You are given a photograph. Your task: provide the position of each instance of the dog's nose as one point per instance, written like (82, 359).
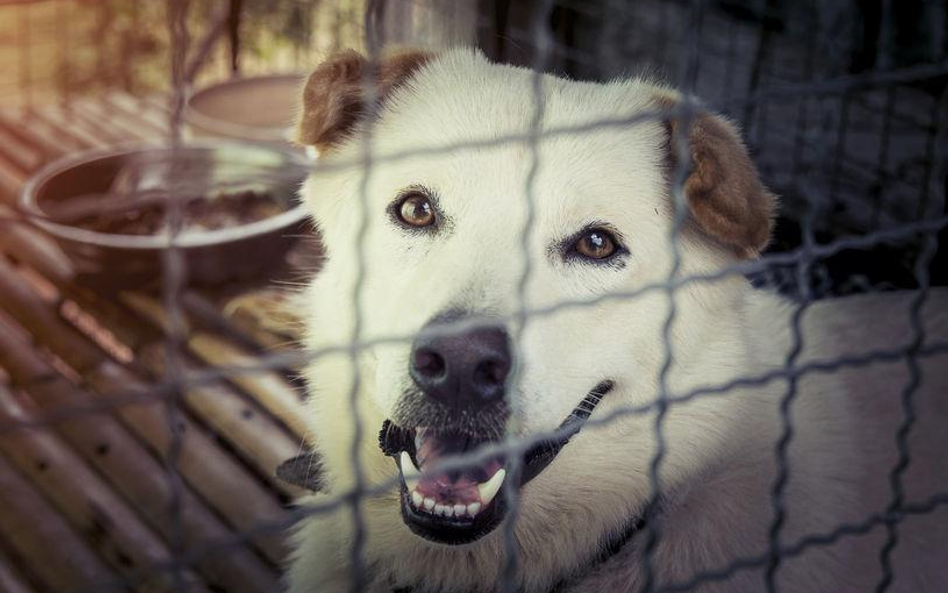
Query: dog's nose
(467, 367)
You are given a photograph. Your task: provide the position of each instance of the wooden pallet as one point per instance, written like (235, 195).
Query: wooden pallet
(97, 491)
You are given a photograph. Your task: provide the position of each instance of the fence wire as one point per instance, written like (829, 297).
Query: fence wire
(803, 262)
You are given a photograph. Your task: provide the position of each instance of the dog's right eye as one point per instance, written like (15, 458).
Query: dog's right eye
(595, 244)
(415, 209)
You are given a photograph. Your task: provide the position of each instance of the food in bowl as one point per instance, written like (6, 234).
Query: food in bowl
(197, 213)
(237, 212)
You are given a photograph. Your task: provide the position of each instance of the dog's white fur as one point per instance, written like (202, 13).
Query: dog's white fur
(719, 465)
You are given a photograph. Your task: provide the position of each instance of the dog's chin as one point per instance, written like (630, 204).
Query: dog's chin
(463, 504)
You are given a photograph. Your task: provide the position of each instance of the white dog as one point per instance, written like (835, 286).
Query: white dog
(433, 253)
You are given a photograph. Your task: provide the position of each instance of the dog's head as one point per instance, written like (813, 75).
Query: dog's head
(501, 264)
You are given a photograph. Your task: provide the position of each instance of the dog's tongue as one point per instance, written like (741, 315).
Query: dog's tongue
(461, 485)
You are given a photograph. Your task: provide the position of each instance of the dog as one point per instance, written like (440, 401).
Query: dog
(574, 299)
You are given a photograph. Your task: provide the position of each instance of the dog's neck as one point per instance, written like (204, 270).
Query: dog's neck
(615, 546)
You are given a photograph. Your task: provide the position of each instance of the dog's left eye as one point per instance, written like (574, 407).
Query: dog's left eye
(597, 244)
(415, 209)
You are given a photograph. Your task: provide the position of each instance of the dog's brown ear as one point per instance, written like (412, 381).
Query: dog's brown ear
(726, 198)
(333, 99)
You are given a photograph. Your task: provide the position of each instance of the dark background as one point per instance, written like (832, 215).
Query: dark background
(850, 117)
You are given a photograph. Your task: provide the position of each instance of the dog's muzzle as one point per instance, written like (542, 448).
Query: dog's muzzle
(462, 505)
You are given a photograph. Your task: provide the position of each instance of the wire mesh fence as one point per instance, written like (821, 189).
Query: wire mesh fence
(843, 108)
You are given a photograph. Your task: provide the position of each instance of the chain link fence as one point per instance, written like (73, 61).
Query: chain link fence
(843, 108)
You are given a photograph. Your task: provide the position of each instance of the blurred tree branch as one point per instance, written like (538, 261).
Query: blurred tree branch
(218, 26)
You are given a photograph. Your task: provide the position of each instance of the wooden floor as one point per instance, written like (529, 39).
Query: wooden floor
(94, 493)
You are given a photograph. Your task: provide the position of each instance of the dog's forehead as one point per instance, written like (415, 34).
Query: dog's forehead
(460, 98)
(473, 121)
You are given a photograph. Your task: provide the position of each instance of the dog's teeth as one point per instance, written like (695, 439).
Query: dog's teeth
(489, 489)
(417, 499)
(429, 504)
(459, 510)
(440, 509)
(409, 471)
(473, 509)
(408, 466)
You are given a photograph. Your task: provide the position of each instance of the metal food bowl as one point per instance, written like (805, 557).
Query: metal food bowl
(257, 109)
(112, 181)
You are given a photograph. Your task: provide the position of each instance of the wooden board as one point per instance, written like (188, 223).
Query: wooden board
(121, 471)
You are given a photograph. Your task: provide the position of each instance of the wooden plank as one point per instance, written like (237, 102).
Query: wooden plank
(268, 388)
(18, 153)
(134, 113)
(206, 311)
(76, 126)
(209, 469)
(199, 462)
(24, 243)
(11, 182)
(90, 313)
(51, 133)
(26, 305)
(42, 540)
(267, 316)
(159, 103)
(109, 447)
(102, 126)
(55, 126)
(114, 123)
(32, 131)
(154, 117)
(109, 525)
(10, 579)
(204, 464)
(261, 441)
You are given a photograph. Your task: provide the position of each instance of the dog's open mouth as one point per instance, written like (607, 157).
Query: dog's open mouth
(464, 504)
